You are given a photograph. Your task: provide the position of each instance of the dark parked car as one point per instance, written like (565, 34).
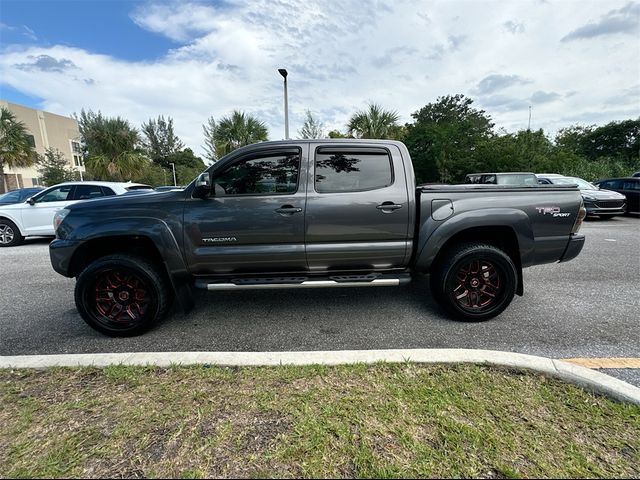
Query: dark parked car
(19, 195)
(629, 187)
(604, 203)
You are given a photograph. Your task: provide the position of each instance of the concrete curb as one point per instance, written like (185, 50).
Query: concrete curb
(586, 378)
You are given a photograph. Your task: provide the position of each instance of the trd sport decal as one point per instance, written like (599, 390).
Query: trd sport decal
(553, 211)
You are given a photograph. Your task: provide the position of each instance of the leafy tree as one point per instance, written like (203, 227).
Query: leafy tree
(113, 147)
(188, 165)
(154, 175)
(521, 151)
(16, 147)
(615, 140)
(338, 134)
(444, 138)
(54, 168)
(232, 132)
(312, 128)
(160, 141)
(374, 122)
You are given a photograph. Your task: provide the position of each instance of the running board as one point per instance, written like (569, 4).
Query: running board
(303, 282)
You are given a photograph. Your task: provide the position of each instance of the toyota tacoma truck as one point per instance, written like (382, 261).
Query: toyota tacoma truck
(310, 214)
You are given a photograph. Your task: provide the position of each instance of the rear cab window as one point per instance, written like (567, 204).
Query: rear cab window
(352, 170)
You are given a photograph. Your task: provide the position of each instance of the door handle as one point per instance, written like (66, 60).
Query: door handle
(388, 207)
(288, 210)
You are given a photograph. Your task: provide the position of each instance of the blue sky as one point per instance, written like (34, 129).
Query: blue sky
(572, 61)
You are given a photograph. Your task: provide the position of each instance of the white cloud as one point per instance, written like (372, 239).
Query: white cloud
(340, 55)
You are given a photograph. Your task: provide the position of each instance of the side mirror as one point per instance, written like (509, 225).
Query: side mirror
(31, 201)
(203, 186)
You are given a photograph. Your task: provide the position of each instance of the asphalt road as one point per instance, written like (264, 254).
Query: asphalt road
(584, 308)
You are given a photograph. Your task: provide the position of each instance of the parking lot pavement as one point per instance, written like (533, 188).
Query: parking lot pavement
(587, 307)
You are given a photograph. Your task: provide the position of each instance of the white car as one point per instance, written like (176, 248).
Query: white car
(34, 217)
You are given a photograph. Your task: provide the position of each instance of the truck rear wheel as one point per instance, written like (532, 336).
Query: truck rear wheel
(475, 282)
(122, 295)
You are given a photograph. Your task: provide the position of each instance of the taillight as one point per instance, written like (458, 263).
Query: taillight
(581, 214)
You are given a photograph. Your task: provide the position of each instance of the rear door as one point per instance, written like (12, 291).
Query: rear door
(253, 222)
(357, 214)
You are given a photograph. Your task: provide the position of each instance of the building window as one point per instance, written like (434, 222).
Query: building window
(76, 149)
(31, 141)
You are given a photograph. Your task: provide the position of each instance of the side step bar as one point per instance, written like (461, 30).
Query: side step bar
(262, 284)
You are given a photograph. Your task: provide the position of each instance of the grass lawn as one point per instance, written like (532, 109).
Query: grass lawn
(383, 420)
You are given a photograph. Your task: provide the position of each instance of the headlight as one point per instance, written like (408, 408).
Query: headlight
(588, 198)
(59, 217)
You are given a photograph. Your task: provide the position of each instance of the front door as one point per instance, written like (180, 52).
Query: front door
(253, 221)
(37, 219)
(358, 212)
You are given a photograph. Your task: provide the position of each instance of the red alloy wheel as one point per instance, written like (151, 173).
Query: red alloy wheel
(477, 286)
(121, 296)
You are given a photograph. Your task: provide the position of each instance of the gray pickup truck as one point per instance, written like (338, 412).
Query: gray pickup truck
(310, 213)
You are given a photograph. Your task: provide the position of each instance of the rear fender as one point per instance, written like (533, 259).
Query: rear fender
(434, 235)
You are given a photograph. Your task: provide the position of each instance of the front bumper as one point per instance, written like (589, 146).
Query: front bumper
(61, 252)
(593, 208)
(574, 247)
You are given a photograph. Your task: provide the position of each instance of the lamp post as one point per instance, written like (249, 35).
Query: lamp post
(173, 167)
(283, 72)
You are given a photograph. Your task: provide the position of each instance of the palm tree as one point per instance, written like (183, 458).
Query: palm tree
(16, 149)
(235, 131)
(113, 147)
(375, 122)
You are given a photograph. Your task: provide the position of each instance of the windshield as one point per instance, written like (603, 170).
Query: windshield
(582, 184)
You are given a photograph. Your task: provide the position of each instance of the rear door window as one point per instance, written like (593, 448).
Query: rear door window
(348, 170)
(87, 192)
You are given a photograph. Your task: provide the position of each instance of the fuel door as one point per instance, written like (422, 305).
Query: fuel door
(441, 208)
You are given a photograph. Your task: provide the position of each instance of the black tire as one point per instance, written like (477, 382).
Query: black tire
(9, 234)
(474, 282)
(122, 295)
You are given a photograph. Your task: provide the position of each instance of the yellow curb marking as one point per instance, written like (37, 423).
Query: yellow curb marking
(605, 362)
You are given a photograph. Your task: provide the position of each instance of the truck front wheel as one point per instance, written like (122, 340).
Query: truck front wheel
(474, 282)
(122, 295)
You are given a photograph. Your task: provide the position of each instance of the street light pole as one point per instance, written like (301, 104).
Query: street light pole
(173, 167)
(283, 72)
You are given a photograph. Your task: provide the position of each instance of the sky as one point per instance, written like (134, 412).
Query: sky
(573, 62)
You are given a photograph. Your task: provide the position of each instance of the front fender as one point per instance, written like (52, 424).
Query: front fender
(156, 230)
(434, 234)
(12, 216)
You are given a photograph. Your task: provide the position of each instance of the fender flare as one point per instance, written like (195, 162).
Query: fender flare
(160, 234)
(434, 235)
